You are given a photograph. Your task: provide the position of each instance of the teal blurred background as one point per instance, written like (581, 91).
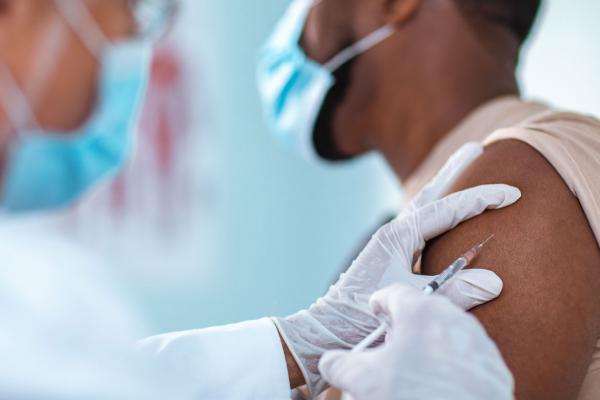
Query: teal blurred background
(265, 232)
(286, 227)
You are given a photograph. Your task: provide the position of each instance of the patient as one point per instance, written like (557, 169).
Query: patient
(447, 76)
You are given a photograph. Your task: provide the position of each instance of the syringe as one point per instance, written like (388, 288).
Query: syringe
(458, 265)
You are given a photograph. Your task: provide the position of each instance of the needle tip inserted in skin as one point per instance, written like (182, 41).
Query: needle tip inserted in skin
(487, 240)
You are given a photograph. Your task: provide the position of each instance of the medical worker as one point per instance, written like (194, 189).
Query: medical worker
(72, 73)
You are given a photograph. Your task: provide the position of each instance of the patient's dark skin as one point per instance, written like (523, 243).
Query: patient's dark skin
(546, 322)
(400, 98)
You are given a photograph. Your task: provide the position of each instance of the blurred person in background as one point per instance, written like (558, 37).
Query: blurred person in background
(72, 73)
(414, 80)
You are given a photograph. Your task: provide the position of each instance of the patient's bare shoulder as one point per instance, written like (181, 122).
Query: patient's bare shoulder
(548, 318)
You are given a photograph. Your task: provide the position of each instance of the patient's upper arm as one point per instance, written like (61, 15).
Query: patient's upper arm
(547, 319)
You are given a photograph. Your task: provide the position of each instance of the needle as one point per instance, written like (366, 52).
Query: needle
(458, 265)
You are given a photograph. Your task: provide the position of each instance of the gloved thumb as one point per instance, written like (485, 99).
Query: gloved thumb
(343, 369)
(472, 287)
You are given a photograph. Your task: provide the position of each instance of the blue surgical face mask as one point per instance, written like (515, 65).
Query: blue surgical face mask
(48, 170)
(292, 87)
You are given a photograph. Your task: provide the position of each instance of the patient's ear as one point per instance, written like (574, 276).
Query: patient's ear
(399, 12)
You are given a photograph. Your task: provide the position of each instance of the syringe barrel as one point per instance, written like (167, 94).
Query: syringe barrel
(449, 272)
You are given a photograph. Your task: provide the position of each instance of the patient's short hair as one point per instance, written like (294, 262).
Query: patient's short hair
(516, 15)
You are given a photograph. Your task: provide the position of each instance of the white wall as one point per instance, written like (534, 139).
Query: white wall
(561, 63)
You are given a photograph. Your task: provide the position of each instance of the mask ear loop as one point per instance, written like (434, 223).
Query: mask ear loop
(81, 20)
(16, 105)
(359, 47)
(47, 52)
(20, 108)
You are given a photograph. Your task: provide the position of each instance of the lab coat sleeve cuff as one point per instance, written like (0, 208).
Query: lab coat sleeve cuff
(240, 361)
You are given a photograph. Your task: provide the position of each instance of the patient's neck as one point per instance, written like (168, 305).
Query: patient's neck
(426, 104)
(408, 143)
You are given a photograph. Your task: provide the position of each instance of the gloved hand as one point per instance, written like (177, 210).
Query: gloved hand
(342, 318)
(434, 350)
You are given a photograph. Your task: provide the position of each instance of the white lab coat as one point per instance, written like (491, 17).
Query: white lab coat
(242, 361)
(67, 333)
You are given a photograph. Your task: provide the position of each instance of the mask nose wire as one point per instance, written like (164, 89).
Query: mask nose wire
(80, 19)
(359, 47)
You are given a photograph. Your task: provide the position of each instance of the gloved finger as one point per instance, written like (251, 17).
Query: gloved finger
(344, 370)
(442, 215)
(387, 301)
(467, 289)
(472, 287)
(449, 173)
(418, 281)
(407, 234)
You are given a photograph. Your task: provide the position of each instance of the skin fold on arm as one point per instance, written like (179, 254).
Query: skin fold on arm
(547, 320)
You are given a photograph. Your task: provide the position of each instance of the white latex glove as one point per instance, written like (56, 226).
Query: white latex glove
(342, 318)
(434, 350)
